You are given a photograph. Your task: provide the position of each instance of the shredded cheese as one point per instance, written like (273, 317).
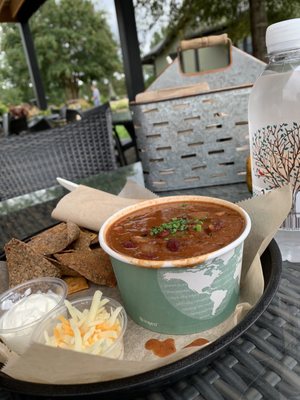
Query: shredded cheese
(89, 331)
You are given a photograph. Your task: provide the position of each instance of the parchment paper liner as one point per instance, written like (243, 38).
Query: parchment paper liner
(43, 364)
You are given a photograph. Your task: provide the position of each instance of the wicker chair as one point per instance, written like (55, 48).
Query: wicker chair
(76, 150)
(119, 147)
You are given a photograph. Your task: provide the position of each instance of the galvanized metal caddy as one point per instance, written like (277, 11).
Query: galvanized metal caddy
(197, 140)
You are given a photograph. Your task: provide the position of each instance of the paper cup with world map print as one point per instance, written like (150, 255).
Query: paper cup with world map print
(183, 296)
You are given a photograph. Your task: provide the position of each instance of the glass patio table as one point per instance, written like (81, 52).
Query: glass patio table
(262, 362)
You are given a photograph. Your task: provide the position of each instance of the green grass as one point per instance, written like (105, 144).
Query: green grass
(118, 105)
(122, 132)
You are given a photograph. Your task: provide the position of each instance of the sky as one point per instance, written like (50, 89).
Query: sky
(109, 7)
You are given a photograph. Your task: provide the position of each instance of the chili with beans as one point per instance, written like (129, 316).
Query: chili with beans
(175, 230)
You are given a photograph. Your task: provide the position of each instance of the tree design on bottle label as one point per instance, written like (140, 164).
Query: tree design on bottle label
(276, 162)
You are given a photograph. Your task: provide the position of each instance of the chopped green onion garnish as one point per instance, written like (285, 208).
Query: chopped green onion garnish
(198, 227)
(176, 224)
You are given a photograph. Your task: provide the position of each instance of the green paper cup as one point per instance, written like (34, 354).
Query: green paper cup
(179, 296)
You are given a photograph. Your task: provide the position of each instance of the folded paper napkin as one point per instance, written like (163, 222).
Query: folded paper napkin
(89, 208)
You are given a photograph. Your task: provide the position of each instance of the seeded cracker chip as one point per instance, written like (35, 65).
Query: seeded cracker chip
(23, 263)
(94, 265)
(85, 239)
(55, 239)
(76, 284)
(64, 269)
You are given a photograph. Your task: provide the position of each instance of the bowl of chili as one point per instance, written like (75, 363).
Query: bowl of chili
(177, 261)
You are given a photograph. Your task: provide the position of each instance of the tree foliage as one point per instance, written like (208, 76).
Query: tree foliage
(240, 17)
(74, 45)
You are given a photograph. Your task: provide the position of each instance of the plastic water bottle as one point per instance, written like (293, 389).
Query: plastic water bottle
(274, 127)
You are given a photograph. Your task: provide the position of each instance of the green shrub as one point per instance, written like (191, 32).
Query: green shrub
(3, 108)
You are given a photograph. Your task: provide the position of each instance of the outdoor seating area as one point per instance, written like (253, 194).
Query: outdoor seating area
(73, 151)
(149, 205)
(88, 137)
(18, 122)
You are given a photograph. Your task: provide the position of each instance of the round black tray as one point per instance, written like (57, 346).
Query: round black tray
(157, 379)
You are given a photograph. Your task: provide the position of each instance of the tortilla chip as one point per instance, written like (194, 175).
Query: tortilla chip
(94, 265)
(23, 263)
(55, 239)
(76, 284)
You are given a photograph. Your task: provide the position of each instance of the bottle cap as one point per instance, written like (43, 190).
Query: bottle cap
(283, 36)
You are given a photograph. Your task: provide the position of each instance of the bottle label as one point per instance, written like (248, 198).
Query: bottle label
(276, 162)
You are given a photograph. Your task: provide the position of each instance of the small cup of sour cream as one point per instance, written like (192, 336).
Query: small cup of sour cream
(24, 306)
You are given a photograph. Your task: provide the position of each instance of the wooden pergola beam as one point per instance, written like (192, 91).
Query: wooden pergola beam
(18, 10)
(2, 3)
(9, 10)
(5, 13)
(15, 6)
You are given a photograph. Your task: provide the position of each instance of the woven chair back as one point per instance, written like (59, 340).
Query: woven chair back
(76, 150)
